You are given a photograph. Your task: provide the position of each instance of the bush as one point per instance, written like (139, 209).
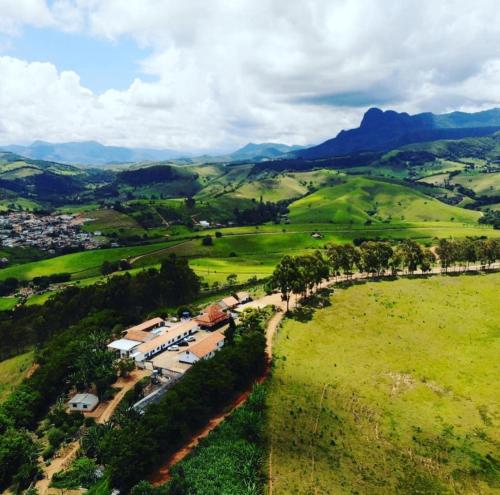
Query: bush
(55, 436)
(82, 473)
(207, 241)
(48, 452)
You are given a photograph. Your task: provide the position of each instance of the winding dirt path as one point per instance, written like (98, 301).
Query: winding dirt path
(102, 414)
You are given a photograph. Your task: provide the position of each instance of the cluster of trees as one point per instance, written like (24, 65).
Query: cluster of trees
(464, 252)
(109, 267)
(61, 329)
(491, 217)
(240, 439)
(11, 284)
(299, 274)
(260, 213)
(145, 441)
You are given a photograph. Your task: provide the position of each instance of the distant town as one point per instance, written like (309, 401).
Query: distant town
(47, 232)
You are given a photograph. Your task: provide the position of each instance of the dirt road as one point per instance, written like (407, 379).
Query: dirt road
(102, 414)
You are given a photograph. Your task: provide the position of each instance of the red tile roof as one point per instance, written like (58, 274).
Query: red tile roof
(212, 316)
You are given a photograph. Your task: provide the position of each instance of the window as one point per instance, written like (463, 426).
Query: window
(84, 406)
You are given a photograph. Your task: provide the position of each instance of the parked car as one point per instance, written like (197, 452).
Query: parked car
(183, 343)
(190, 339)
(173, 348)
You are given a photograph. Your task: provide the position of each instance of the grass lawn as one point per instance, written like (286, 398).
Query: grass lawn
(12, 372)
(390, 390)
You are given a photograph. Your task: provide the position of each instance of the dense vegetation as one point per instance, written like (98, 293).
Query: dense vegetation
(144, 442)
(62, 328)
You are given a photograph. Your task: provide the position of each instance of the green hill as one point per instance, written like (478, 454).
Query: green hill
(360, 200)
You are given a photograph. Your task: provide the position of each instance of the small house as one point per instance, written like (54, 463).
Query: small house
(212, 318)
(203, 349)
(83, 402)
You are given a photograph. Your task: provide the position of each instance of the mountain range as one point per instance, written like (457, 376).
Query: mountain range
(385, 130)
(94, 153)
(379, 131)
(90, 153)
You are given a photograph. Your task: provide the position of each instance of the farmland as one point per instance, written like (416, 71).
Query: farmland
(389, 390)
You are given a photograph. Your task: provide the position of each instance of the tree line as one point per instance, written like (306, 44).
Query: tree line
(300, 274)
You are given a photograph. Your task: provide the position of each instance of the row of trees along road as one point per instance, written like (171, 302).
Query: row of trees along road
(301, 274)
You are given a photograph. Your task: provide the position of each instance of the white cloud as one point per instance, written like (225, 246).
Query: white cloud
(230, 71)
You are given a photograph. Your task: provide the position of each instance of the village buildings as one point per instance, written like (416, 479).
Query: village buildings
(46, 232)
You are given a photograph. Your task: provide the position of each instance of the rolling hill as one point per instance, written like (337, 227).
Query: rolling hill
(361, 200)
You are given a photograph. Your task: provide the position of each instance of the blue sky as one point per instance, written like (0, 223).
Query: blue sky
(199, 76)
(101, 63)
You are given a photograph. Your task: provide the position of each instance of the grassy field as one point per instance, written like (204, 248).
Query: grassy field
(481, 184)
(360, 199)
(12, 372)
(390, 390)
(80, 265)
(109, 220)
(245, 250)
(285, 186)
(7, 303)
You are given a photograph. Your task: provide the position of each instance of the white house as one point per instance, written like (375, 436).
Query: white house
(124, 346)
(147, 350)
(83, 402)
(203, 349)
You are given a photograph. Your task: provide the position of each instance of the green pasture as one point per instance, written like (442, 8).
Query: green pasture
(483, 184)
(13, 371)
(391, 389)
(81, 265)
(360, 200)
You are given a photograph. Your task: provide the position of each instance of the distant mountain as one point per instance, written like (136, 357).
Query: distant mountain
(253, 151)
(381, 131)
(90, 153)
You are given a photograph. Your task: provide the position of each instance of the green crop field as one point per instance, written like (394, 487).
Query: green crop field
(390, 390)
(12, 372)
(360, 199)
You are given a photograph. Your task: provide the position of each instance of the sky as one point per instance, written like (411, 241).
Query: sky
(212, 75)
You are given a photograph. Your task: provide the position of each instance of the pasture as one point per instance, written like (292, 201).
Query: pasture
(13, 371)
(392, 389)
(362, 200)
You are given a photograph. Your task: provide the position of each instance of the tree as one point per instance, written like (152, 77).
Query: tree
(411, 255)
(375, 256)
(207, 241)
(232, 279)
(142, 488)
(125, 366)
(283, 277)
(445, 251)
